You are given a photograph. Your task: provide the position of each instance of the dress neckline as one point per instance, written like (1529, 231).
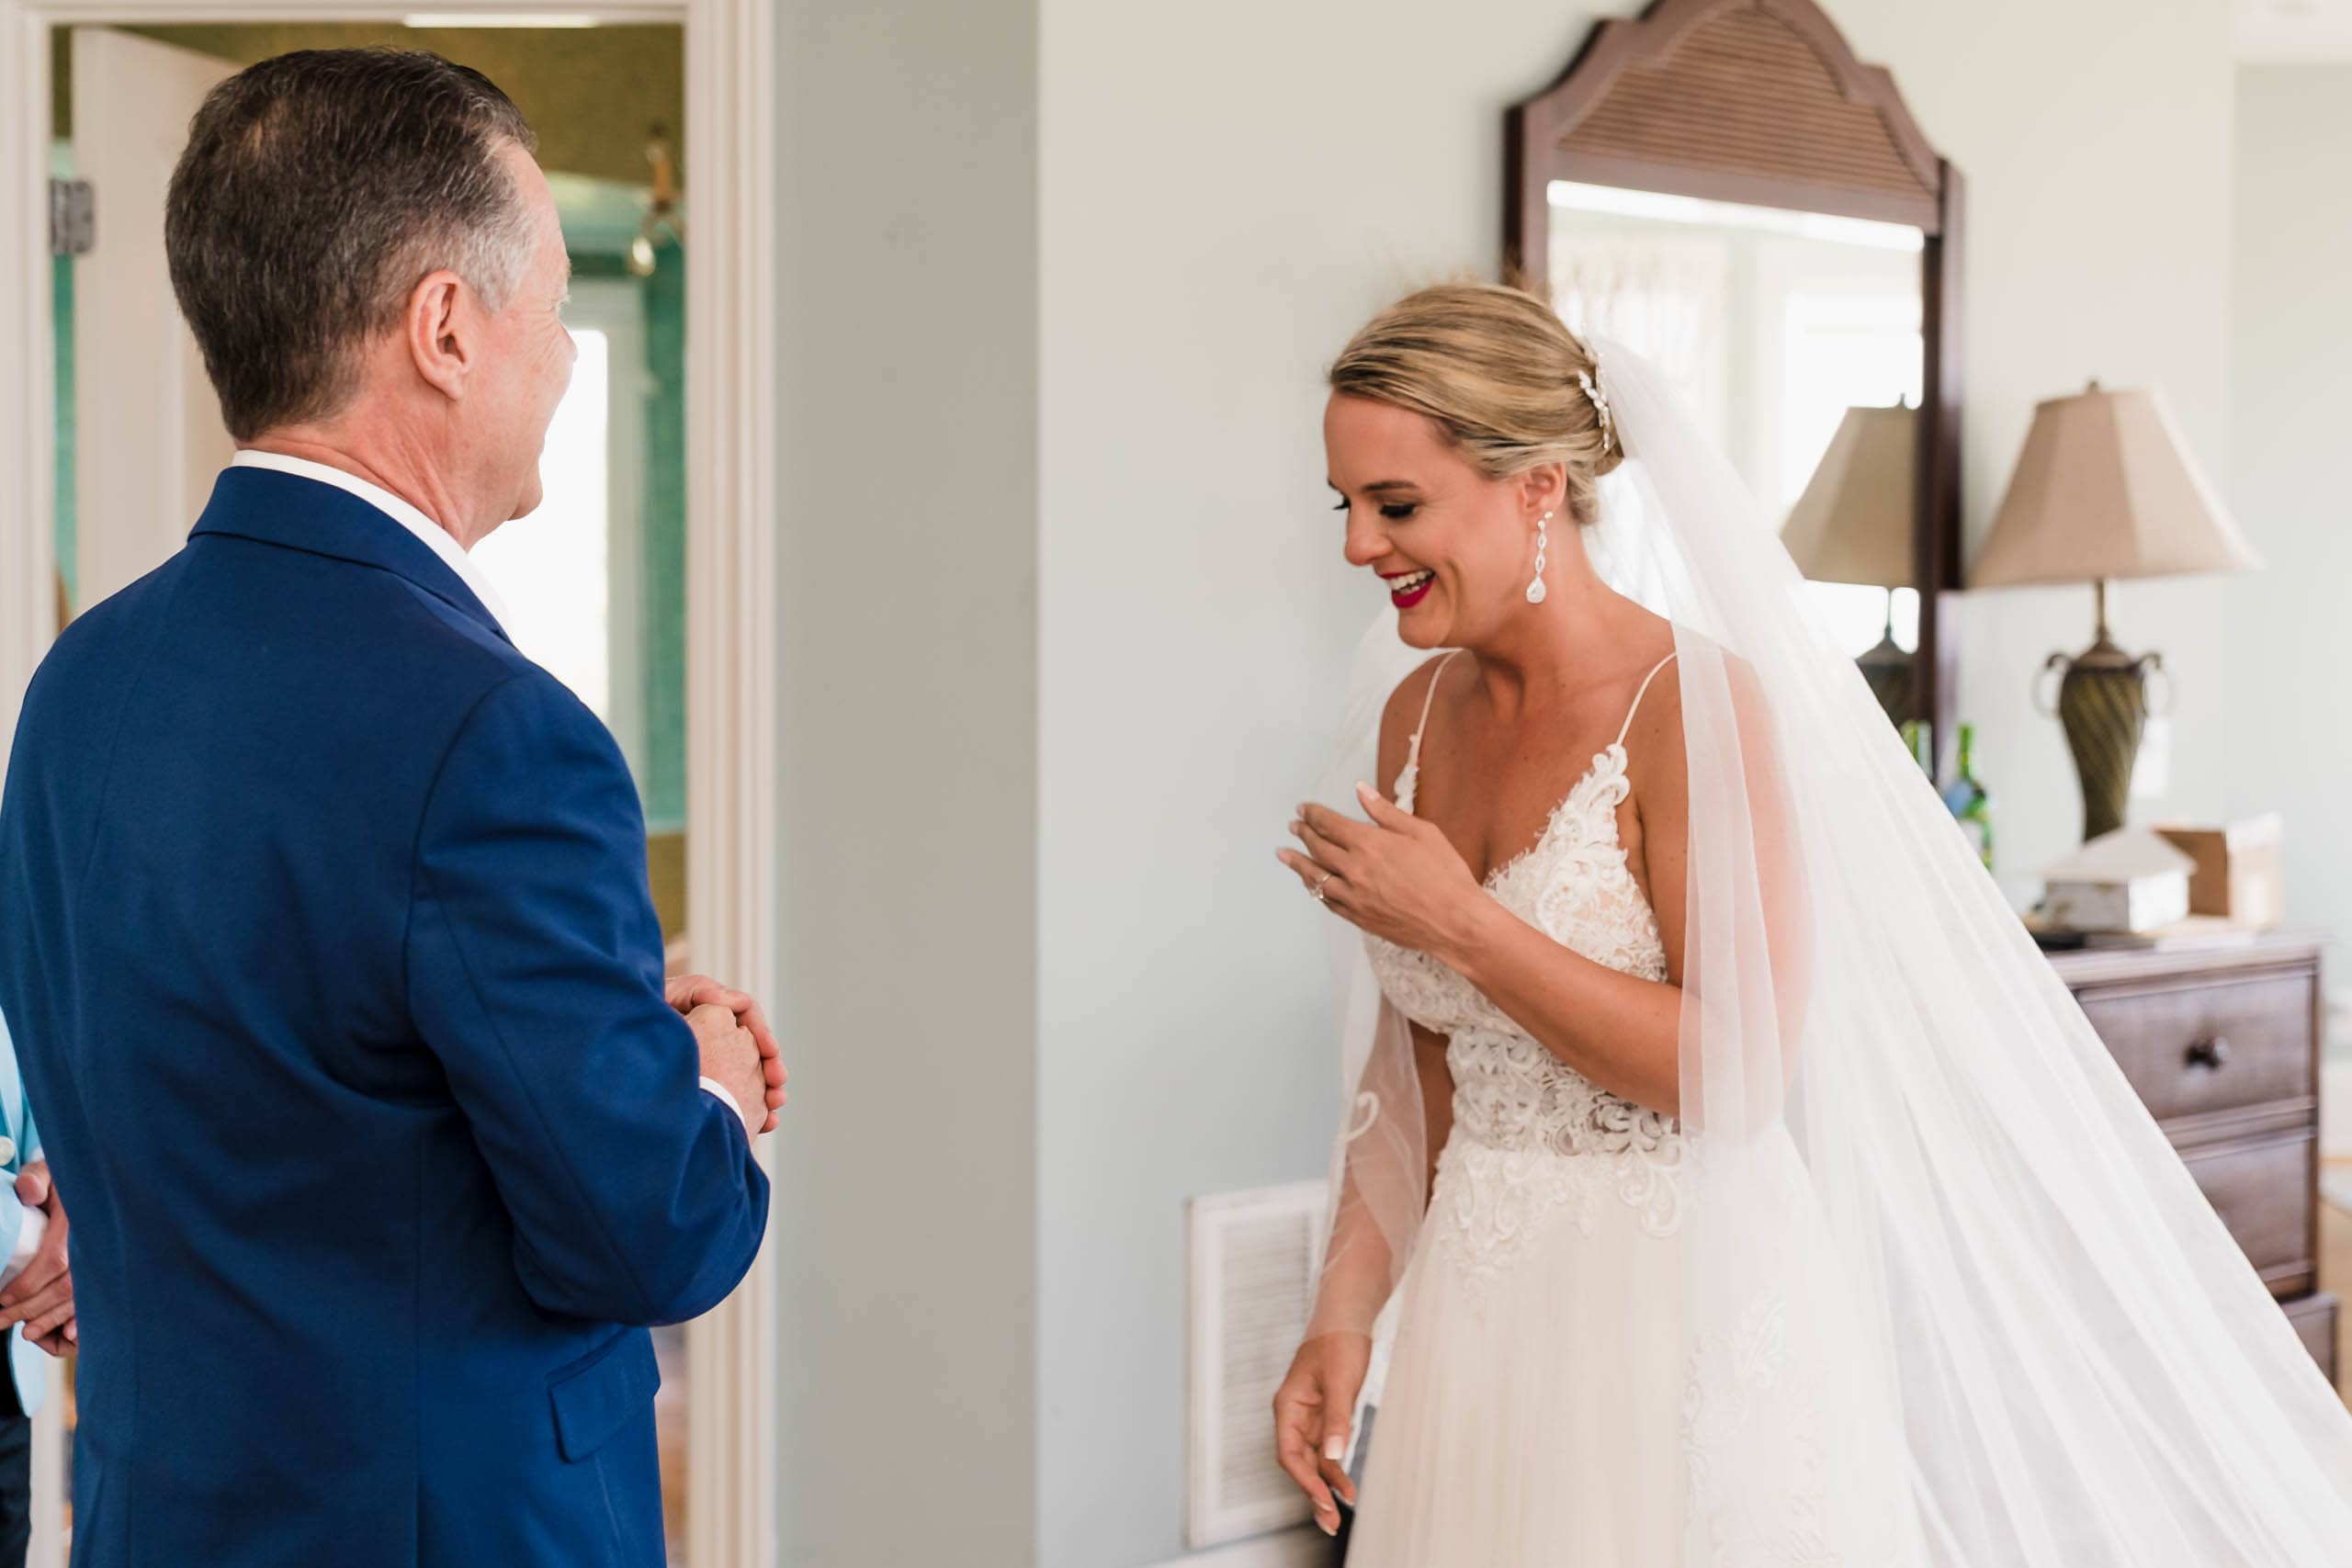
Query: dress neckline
(1407, 786)
(1610, 755)
(1406, 791)
(1409, 780)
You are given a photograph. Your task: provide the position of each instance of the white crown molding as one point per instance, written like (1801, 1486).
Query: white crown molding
(731, 674)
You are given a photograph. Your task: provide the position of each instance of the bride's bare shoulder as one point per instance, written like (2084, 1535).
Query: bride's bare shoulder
(1653, 729)
(1403, 711)
(1405, 702)
(1731, 691)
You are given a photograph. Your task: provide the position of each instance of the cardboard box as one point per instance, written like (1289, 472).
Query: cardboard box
(2238, 876)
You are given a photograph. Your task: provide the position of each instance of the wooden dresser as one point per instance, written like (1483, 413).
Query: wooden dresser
(2223, 1044)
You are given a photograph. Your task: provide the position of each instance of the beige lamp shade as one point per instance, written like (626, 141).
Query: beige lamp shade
(2105, 488)
(1853, 521)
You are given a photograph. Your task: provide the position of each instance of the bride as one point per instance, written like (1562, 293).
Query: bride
(1784, 1209)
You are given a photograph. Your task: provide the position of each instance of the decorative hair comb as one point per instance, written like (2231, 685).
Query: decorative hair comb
(1599, 403)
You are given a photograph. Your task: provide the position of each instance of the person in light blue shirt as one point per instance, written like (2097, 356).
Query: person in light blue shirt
(36, 1297)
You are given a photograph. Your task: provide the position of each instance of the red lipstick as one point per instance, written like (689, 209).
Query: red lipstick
(1408, 589)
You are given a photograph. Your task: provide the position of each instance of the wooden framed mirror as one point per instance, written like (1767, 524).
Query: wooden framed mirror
(1721, 186)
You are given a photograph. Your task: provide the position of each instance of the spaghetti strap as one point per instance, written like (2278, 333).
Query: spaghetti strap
(1413, 749)
(1642, 690)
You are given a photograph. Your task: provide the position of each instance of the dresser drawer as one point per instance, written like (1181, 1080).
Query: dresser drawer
(2217, 1044)
(2262, 1189)
(2314, 1319)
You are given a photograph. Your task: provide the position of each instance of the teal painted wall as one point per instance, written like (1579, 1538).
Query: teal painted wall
(661, 567)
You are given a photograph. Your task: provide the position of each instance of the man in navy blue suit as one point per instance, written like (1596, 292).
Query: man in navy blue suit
(324, 928)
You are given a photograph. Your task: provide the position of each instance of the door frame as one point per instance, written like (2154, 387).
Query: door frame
(732, 675)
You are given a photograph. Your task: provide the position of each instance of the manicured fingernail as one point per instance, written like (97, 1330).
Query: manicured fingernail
(1329, 1526)
(1364, 788)
(1335, 1449)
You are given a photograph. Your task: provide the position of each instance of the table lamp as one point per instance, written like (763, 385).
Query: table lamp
(1853, 525)
(2106, 488)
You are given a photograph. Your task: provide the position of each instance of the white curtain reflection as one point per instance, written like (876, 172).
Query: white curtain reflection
(1774, 322)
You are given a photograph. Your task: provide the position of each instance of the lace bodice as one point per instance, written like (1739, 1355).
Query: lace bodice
(1510, 1094)
(1572, 884)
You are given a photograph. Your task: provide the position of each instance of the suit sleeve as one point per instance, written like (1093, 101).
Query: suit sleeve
(535, 976)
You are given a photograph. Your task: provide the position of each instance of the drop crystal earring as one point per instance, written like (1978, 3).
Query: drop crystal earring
(1543, 543)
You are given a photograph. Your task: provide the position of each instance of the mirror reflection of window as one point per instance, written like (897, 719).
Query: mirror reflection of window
(1663, 293)
(1840, 349)
(1776, 323)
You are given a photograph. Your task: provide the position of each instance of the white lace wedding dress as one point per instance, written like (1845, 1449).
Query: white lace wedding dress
(1543, 1408)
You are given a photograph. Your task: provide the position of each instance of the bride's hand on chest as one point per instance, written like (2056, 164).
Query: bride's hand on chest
(1396, 876)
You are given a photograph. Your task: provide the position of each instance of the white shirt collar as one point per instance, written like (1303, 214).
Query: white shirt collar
(436, 537)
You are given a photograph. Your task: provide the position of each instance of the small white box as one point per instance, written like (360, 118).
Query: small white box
(2130, 880)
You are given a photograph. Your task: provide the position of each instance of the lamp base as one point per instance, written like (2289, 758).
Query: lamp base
(1888, 669)
(2103, 706)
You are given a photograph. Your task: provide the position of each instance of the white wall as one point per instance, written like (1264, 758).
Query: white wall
(2290, 437)
(907, 1194)
(1227, 189)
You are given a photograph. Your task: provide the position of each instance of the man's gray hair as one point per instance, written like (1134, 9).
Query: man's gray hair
(317, 190)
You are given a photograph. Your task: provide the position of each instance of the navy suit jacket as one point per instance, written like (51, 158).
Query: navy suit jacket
(325, 936)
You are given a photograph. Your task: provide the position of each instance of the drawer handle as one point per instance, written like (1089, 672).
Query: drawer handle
(2210, 1053)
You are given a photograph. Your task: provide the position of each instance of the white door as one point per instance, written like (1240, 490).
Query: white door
(149, 441)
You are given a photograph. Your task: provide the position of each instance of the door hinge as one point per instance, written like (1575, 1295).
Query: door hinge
(73, 218)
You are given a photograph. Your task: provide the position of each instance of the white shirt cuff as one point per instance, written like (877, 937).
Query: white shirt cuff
(710, 1087)
(28, 1237)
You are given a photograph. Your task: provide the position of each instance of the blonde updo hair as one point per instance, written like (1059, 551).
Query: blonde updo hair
(1496, 369)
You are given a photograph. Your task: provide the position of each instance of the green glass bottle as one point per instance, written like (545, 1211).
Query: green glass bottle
(1969, 800)
(1914, 740)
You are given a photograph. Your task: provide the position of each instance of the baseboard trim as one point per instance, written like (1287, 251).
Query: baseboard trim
(1301, 1548)
(2336, 1110)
